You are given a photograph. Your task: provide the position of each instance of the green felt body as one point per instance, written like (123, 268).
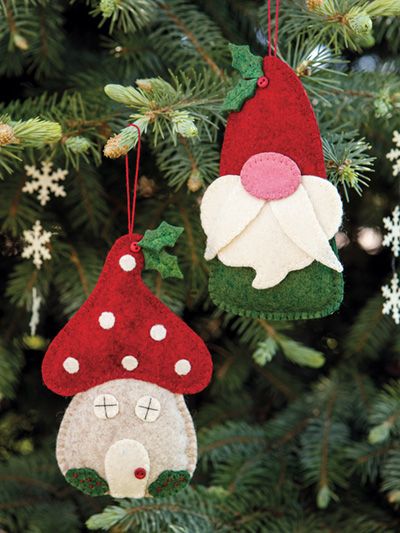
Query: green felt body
(313, 292)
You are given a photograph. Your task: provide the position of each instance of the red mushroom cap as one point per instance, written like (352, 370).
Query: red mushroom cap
(124, 331)
(279, 118)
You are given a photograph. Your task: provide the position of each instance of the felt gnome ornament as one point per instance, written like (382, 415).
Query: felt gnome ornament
(127, 360)
(271, 216)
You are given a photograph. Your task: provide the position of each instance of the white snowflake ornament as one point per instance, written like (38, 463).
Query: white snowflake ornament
(36, 240)
(35, 317)
(394, 154)
(392, 238)
(391, 294)
(45, 181)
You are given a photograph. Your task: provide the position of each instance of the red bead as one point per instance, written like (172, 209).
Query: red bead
(135, 247)
(140, 473)
(262, 82)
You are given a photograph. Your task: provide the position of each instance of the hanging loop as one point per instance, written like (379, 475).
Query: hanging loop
(275, 47)
(131, 204)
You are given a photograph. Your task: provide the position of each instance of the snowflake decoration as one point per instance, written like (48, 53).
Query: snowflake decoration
(36, 240)
(392, 238)
(45, 181)
(394, 154)
(391, 293)
(35, 317)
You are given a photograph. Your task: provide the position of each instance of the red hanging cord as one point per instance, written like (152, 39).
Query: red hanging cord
(269, 28)
(131, 206)
(276, 28)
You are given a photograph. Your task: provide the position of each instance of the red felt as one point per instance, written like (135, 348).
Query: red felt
(279, 118)
(136, 310)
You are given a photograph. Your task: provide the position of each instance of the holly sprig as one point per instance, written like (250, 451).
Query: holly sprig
(155, 257)
(250, 68)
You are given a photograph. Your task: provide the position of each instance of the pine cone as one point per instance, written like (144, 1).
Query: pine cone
(194, 182)
(7, 135)
(147, 187)
(313, 5)
(112, 148)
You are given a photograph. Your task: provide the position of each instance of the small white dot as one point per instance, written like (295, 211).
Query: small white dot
(107, 320)
(71, 365)
(127, 263)
(129, 362)
(158, 332)
(183, 367)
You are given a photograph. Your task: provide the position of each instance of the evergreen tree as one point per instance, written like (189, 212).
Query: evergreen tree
(299, 430)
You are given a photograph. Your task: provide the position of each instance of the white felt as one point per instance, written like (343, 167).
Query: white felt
(265, 247)
(148, 408)
(122, 458)
(127, 262)
(297, 218)
(158, 332)
(71, 365)
(84, 439)
(284, 236)
(222, 221)
(129, 362)
(183, 367)
(329, 211)
(105, 406)
(107, 320)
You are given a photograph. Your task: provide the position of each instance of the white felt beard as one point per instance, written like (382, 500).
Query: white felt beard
(273, 237)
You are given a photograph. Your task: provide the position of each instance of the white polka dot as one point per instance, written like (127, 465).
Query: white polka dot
(71, 365)
(107, 320)
(158, 332)
(129, 362)
(127, 263)
(183, 367)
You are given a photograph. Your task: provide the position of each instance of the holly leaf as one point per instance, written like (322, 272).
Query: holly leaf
(169, 482)
(87, 480)
(249, 65)
(236, 97)
(159, 238)
(155, 257)
(165, 263)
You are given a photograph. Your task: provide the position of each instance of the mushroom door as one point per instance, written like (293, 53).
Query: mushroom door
(127, 467)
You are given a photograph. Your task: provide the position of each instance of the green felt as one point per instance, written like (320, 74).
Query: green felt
(155, 257)
(235, 98)
(250, 68)
(249, 65)
(169, 482)
(87, 480)
(314, 292)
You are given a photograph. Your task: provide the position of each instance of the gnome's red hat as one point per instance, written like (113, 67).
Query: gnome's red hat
(124, 331)
(278, 119)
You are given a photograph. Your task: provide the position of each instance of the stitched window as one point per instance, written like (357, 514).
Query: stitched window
(105, 406)
(148, 408)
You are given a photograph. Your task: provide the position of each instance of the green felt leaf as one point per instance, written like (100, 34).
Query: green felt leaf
(249, 65)
(87, 480)
(155, 257)
(164, 235)
(169, 482)
(235, 98)
(165, 263)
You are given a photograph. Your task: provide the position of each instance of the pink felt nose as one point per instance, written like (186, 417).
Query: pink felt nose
(270, 176)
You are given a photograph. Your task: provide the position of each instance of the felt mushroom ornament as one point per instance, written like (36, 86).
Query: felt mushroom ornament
(271, 216)
(127, 360)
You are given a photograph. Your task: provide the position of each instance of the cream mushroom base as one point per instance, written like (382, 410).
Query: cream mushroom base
(272, 236)
(128, 433)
